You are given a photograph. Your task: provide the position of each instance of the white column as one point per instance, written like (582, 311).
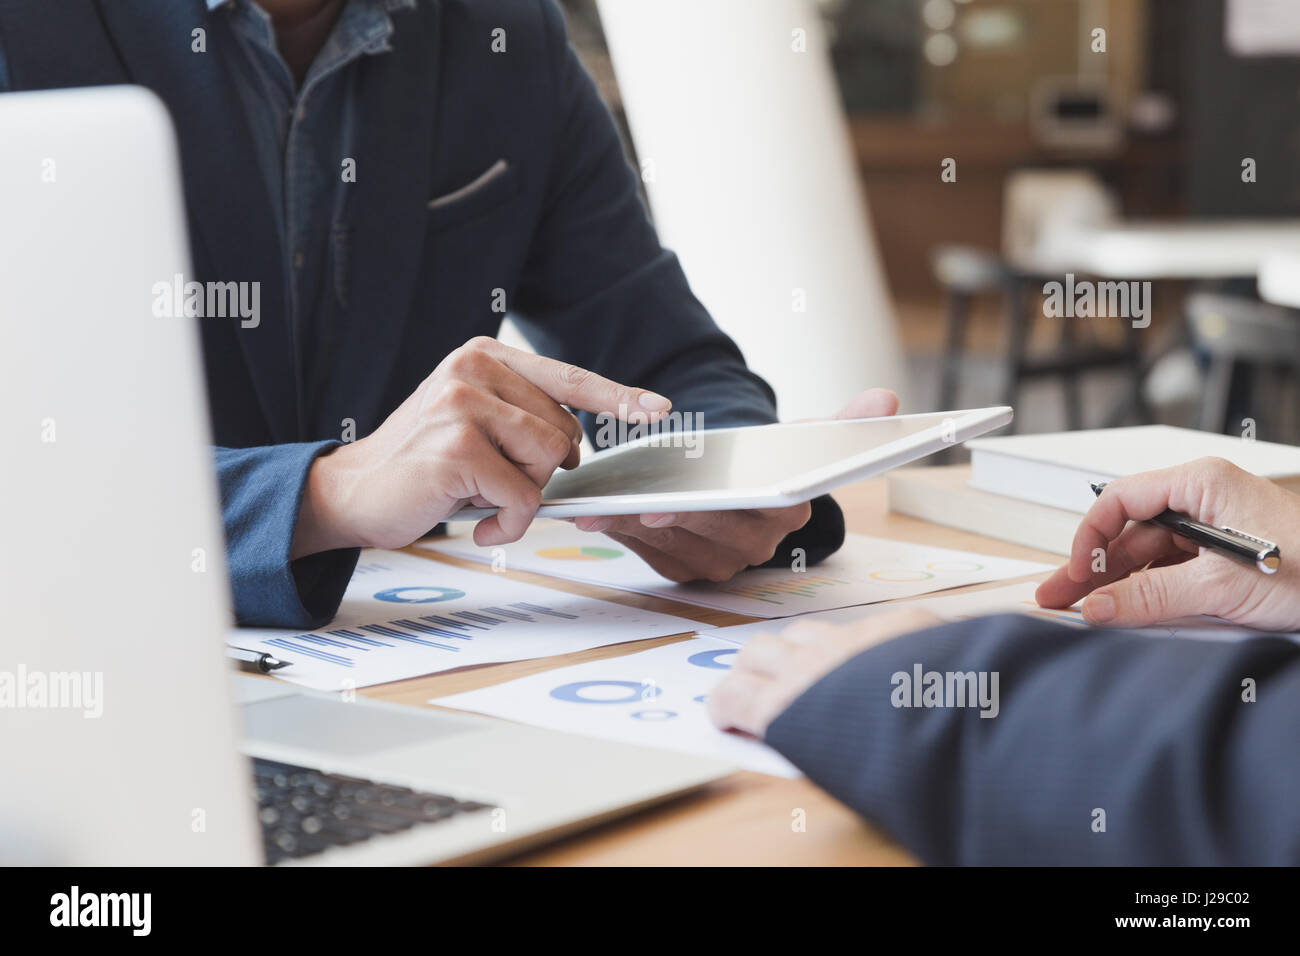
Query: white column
(751, 176)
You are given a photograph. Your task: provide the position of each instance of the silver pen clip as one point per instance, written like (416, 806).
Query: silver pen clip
(1268, 557)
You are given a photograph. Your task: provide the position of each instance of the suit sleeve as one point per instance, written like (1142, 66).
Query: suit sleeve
(261, 491)
(1107, 748)
(599, 290)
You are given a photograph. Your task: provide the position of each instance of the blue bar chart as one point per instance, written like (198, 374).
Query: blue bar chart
(448, 617)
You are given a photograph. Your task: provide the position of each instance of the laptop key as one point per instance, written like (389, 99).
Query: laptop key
(305, 811)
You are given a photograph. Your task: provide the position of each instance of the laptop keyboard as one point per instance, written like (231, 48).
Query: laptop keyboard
(304, 811)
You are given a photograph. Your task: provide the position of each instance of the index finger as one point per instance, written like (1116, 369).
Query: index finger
(1135, 498)
(1133, 549)
(582, 388)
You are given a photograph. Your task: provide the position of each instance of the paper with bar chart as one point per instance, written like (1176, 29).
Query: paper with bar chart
(655, 698)
(403, 616)
(864, 571)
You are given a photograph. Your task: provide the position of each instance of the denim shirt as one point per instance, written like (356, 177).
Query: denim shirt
(303, 136)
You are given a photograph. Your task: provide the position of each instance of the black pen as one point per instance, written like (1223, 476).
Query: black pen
(1226, 541)
(256, 660)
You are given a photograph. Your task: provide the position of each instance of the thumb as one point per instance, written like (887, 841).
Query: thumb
(1146, 597)
(873, 403)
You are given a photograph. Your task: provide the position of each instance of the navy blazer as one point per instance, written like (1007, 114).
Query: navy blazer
(1107, 747)
(563, 233)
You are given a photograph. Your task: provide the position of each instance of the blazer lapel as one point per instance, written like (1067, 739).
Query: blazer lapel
(230, 212)
(397, 93)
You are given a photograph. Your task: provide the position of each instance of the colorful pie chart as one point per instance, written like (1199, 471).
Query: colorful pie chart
(583, 553)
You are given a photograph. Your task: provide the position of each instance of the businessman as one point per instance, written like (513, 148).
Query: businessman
(1103, 747)
(394, 175)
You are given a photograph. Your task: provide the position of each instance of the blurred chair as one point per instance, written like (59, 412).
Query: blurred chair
(964, 273)
(1039, 207)
(1042, 209)
(1259, 344)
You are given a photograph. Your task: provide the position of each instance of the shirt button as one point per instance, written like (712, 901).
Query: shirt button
(297, 260)
(302, 112)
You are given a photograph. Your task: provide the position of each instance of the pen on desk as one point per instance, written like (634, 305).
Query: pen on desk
(1229, 542)
(256, 660)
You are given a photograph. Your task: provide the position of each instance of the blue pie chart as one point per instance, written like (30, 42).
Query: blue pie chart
(654, 715)
(605, 692)
(712, 658)
(418, 595)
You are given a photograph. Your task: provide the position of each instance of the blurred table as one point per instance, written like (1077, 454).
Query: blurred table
(1279, 279)
(1165, 249)
(746, 818)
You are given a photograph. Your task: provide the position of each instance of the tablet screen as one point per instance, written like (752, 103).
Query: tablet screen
(740, 458)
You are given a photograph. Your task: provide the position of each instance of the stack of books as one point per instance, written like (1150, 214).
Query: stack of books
(1031, 489)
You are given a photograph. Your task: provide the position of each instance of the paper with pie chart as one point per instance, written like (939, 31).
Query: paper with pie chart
(404, 616)
(655, 698)
(864, 571)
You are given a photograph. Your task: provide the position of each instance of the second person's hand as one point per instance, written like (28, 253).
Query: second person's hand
(1131, 573)
(773, 669)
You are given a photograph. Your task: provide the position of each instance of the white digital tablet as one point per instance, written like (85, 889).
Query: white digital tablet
(762, 466)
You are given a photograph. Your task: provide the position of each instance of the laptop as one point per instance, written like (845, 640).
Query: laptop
(133, 739)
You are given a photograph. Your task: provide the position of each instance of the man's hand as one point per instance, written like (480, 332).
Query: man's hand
(772, 670)
(1137, 574)
(485, 428)
(715, 545)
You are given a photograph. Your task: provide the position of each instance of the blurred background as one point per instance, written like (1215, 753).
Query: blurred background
(876, 192)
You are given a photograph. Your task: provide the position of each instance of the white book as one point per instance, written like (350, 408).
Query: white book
(1055, 469)
(941, 494)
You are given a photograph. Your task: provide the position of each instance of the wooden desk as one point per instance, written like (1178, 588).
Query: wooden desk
(745, 819)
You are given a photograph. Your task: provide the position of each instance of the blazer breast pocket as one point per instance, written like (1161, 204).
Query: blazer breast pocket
(492, 188)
